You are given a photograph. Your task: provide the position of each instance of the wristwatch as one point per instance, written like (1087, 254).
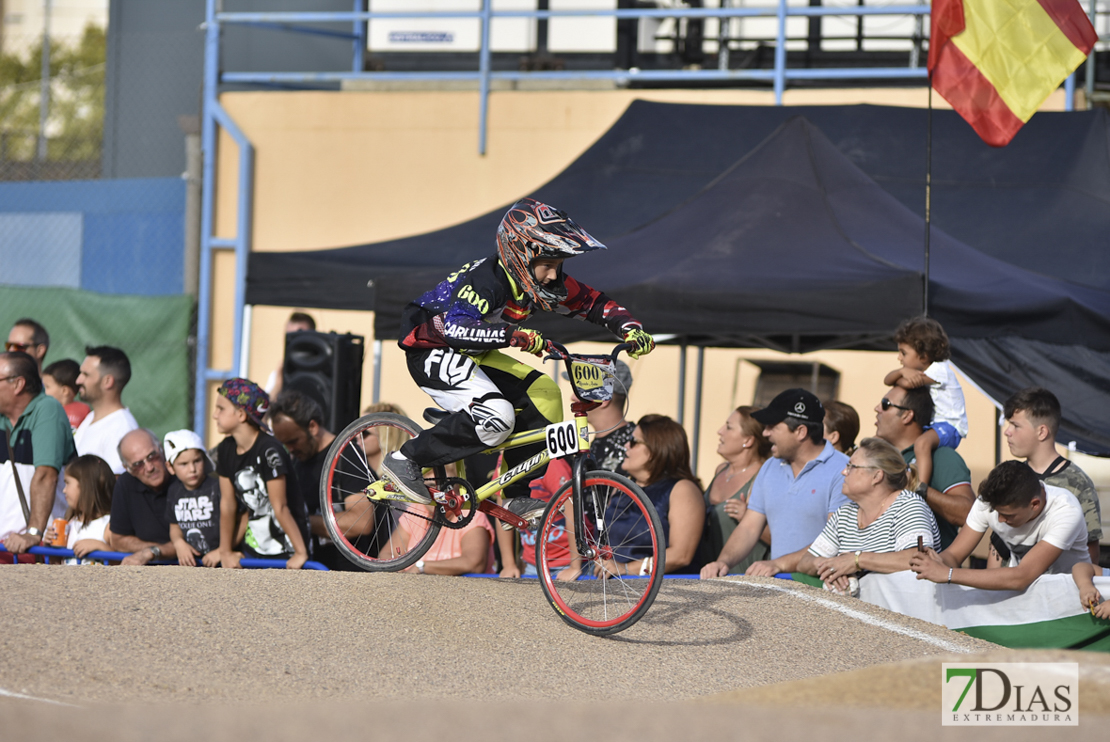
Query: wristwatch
(32, 531)
(922, 490)
(420, 566)
(155, 552)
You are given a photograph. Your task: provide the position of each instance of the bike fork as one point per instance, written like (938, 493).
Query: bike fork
(577, 498)
(578, 476)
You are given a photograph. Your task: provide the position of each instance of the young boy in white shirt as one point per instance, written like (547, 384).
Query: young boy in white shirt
(1042, 525)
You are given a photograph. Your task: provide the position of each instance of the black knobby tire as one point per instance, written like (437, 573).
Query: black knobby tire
(603, 606)
(369, 529)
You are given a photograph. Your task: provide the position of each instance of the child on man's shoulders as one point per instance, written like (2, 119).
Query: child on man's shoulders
(923, 351)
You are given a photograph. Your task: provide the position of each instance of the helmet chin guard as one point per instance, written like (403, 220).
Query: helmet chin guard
(531, 231)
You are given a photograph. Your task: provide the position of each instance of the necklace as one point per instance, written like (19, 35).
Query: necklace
(728, 477)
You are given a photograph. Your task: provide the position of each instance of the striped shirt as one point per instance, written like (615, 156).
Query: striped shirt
(896, 529)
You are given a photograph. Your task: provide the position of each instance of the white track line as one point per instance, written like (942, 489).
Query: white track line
(10, 694)
(863, 617)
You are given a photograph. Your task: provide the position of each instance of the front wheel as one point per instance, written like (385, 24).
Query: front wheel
(624, 536)
(375, 534)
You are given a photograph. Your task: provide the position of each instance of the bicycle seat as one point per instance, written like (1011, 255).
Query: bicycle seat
(433, 414)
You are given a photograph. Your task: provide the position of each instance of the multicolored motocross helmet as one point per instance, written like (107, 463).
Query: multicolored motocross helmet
(532, 230)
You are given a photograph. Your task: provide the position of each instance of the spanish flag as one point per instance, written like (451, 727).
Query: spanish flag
(996, 61)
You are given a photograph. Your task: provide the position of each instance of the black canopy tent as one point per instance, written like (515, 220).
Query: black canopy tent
(722, 265)
(1042, 202)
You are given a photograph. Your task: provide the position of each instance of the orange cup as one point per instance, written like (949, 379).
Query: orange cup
(60, 532)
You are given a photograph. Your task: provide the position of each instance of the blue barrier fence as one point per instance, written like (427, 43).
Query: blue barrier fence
(110, 557)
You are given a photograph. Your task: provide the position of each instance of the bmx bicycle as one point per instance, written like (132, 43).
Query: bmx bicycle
(608, 520)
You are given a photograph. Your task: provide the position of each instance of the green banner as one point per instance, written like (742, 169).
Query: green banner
(1075, 632)
(152, 330)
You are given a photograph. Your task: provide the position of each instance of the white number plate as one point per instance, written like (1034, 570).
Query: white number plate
(562, 439)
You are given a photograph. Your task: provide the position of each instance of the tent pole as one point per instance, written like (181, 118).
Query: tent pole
(377, 392)
(245, 342)
(928, 197)
(997, 441)
(697, 409)
(681, 382)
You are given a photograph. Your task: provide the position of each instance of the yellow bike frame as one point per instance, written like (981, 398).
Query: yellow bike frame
(518, 472)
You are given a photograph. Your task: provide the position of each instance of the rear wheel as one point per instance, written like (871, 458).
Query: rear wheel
(376, 535)
(623, 537)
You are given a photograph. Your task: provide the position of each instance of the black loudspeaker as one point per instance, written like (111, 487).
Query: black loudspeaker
(328, 368)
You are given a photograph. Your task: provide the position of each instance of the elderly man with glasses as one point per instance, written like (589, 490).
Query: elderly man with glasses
(138, 523)
(900, 418)
(36, 444)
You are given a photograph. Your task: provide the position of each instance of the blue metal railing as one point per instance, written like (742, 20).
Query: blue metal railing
(111, 557)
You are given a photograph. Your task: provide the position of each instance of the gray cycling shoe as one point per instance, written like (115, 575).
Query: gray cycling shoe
(527, 509)
(407, 476)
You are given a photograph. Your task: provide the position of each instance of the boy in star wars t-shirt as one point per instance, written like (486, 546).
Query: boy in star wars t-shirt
(193, 501)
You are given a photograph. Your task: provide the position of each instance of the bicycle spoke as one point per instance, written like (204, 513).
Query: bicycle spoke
(622, 527)
(371, 538)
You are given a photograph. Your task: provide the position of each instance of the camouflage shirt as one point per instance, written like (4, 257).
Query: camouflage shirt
(1074, 480)
(608, 450)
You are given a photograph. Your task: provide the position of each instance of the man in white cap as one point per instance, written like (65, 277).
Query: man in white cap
(193, 500)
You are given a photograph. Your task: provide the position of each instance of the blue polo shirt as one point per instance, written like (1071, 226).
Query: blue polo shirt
(797, 509)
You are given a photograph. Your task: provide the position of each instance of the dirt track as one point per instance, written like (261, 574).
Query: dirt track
(195, 644)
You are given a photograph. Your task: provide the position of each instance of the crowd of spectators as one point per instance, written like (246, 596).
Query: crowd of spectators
(793, 491)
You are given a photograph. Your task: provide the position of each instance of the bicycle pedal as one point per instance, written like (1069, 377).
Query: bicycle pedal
(530, 524)
(385, 490)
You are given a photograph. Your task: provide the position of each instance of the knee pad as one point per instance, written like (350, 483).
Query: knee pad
(493, 419)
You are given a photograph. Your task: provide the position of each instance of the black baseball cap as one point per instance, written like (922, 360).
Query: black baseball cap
(799, 404)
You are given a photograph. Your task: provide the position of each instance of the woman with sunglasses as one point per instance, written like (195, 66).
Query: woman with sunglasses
(882, 526)
(658, 459)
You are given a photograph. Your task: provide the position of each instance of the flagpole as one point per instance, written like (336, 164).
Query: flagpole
(928, 195)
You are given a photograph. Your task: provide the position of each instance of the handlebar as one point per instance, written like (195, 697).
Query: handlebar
(559, 352)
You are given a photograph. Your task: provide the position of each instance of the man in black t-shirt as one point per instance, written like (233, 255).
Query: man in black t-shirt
(138, 523)
(298, 422)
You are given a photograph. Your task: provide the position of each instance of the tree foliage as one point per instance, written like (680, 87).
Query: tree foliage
(75, 124)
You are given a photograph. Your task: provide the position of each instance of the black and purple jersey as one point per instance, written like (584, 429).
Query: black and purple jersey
(477, 307)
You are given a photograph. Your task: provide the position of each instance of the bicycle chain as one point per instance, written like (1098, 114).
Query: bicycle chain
(438, 513)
